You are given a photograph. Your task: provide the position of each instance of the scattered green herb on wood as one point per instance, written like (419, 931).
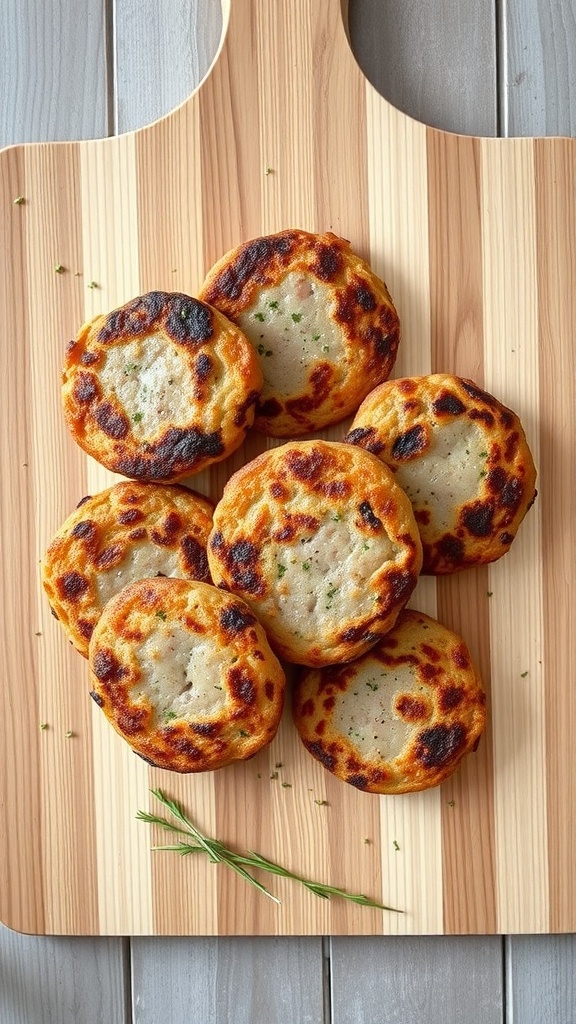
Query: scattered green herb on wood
(237, 862)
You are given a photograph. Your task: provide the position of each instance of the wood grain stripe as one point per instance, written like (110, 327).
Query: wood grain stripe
(21, 846)
(458, 346)
(515, 582)
(556, 231)
(56, 239)
(108, 177)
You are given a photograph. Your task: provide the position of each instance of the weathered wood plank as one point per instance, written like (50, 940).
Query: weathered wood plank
(405, 981)
(53, 71)
(162, 51)
(435, 61)
(541, 973)
(538, 67)
(227, 981)
(62, 981)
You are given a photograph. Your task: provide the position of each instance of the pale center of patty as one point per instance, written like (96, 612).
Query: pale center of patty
(291, 329)
(448, 474)
(322, 577)
(152, 383)
(365, 714)
(141, 561)
(183, 675)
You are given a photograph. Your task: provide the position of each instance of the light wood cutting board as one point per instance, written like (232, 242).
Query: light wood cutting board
(476, 240)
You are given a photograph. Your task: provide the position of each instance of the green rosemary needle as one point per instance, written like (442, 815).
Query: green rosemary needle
(221, 854)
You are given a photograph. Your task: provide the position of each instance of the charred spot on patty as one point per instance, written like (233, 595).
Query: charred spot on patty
(307, 467)
(318, 751)
(409, 444)
(477, 393)
(97, 698)
(85, 388)
(460, 657)
(365, 437)
(202, 367)
(109, 556)
(195, 558)
(89, 358)
(235, 619)
(478, 518)
(244, 408)
(72, 585)
(170, 527)
(410, 709)
(451, 697)
(106, 666)
(269, 409)
(241, 560)
(451, 548)
(241, 686)
(189, 320)
(401, 583)
(328, 262)
(269, 689)
(359, 781)
(112, 422)
(484, 415)
(440, 745)
(85, 530)
(368, 515)
(320, 381)
(175, 452)
(130, 515)
(364, 296)
(133, 319)
(448, 403)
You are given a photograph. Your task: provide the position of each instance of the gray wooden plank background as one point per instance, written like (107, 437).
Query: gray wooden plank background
(487, 67)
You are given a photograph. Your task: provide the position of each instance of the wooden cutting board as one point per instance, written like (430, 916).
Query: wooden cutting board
(476, 240)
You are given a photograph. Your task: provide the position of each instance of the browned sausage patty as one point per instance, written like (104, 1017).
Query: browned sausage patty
(324, 326)
(462, 458)
(185, 674)
(128, 532)
(400, 718)
(322, 544)
(161, 388)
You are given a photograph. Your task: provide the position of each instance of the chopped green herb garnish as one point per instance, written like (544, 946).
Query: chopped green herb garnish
(43, 726)
(242, 732)
(281, 570)
(336, 517)
(325, 348)
(322, 803)
(287, 785)
(306, 565)
(69, 734)
(58, 268)
(170, 715)
(19, 201)
(296, 317)
(92, 284)
(130, 367)
(316, 337)
(483, 455)
(395, 845)
(372, 686)
(273, 776)
(524, 674)
(137, 417)
(161, 615)
(259, 316)
(273, 305)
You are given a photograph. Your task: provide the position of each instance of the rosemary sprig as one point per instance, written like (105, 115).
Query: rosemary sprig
(221, 854)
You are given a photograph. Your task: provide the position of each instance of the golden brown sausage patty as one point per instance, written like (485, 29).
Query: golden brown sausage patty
(324, 326)
(462, 458)
(321, 542)
(400, 718)
(128, 532)
(161, 388)
(185, 674)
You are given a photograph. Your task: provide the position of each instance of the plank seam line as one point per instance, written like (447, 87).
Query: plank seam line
(128, 981)
(507, 1006)
(500, 45)
(326, 980)
(110, 49)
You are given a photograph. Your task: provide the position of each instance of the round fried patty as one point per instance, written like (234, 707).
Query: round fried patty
(321, 542)
(462, 458)
(324, 326)
(161, 388)
(400, 718)
(128, 532)
(185, 674)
